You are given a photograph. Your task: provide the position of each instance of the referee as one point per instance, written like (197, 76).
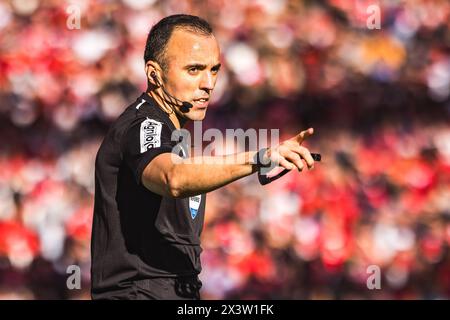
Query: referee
(149, 210)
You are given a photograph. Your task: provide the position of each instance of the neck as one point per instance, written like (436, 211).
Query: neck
(169, 109)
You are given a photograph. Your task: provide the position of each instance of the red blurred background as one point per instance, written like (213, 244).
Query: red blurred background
(378, 100)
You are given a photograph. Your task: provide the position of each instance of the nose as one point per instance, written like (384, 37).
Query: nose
(207, 82)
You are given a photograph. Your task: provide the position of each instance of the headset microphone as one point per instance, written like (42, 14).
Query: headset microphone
(185, 106)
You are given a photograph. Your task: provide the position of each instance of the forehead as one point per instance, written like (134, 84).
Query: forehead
(186, 47)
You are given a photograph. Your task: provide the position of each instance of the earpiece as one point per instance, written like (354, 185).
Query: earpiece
(155, 78)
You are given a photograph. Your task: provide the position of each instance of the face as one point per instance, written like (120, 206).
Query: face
(192, 68)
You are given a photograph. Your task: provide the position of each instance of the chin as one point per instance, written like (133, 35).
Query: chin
(197, 115)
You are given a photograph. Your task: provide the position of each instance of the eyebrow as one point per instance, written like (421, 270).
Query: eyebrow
(202, 66)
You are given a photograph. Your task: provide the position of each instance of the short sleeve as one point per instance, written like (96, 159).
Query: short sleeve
(143, 141)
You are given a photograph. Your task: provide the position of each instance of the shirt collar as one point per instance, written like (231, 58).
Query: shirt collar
(154, 105)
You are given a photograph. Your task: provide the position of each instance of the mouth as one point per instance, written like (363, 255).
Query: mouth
(201, 103)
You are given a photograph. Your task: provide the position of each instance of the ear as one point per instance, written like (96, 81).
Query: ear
(152, 66)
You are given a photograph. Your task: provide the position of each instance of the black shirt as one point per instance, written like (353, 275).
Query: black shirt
(138, 234)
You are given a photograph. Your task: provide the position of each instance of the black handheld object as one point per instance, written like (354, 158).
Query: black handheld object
(316, 156)
(264, 179)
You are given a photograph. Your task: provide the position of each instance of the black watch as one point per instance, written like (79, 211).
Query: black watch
(258, 159)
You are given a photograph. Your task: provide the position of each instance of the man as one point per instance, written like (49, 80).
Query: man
(149, 209)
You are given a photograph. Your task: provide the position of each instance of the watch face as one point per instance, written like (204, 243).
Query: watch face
(259, 157)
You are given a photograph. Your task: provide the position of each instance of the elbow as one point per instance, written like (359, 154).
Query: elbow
(174, 192)
(174, 187)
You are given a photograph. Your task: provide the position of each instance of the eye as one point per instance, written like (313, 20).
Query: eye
(193, 70)
(215, 69)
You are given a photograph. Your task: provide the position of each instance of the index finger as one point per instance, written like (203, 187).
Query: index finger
(304, 134)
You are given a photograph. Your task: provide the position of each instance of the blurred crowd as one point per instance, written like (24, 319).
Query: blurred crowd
(378, 99)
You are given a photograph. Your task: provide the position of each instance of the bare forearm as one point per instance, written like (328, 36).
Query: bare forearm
(200, 175)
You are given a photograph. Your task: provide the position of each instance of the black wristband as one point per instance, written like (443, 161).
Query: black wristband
(258, 159)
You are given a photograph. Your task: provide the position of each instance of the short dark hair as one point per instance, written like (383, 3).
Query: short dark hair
(159, 35)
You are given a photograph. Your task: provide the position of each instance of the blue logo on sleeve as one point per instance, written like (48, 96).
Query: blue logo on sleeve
(194, 204)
